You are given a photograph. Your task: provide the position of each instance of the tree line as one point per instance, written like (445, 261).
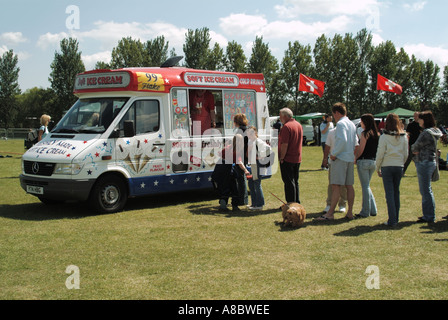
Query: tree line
(348, 63)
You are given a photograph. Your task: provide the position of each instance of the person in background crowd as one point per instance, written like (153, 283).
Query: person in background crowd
(240, 123)
(425, 152)
(257, 149)
(277, 125)
(390, 158)
(366, 164)
(413, 130)
(290, 154)
(381, 126)
(325, 128)
(327, 162)
(43, 130)
(224, 180)
(343, 158)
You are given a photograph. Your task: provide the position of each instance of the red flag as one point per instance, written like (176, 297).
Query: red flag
(388, 85)
(311, 85)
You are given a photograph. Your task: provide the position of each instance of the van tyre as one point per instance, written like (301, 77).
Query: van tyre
(109, 194)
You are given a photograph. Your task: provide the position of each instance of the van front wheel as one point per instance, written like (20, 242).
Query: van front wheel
(109, 194)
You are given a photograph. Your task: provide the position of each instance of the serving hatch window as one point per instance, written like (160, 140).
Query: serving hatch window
(239, 101)
(227, 103)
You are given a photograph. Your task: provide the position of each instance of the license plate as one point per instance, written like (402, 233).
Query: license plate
(35, 189)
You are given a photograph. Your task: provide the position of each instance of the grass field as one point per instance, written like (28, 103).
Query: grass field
(180, 246)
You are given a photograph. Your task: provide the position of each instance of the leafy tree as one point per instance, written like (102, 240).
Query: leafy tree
(215, 58)
(262, 61)
(155, 52)
(33, 103)
(359, 103)
(9, 87)
(235, 60)
(64, 68)
(442, 105)
(100, 65)
(129, 53)
(382, 62)
(322, 71)
(403, 77)
(297, 60)
(196, 48)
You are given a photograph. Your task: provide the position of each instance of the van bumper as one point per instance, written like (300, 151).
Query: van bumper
(57, 189)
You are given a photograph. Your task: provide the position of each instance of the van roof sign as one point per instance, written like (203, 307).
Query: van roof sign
(163, 79)
(218, 80)
(102, 80)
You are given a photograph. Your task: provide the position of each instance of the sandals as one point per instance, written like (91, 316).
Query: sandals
(324, 218)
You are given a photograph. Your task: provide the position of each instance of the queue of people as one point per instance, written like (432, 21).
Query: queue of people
(386, 152)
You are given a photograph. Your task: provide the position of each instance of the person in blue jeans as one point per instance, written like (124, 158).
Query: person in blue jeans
(390, 158)
(425, 152)
(366, 164)
(257, 149)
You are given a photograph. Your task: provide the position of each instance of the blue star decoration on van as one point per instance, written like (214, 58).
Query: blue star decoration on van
(160, 136)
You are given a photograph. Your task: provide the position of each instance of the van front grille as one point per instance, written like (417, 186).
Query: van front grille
(39, 168)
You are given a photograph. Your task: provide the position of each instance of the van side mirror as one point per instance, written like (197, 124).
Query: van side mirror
(129, 130)
(115, 134)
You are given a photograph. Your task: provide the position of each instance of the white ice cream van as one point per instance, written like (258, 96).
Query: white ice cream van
(132, 133)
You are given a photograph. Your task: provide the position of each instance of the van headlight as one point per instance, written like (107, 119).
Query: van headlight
(68, 168)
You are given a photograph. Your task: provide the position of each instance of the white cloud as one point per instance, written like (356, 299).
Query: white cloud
(423, 52)
(294, 8)
(51, 39)
(22, 55)
(242, 24)
(3, 49)
(12, 38)
(377, 39)
(299, 30)
(414, 7)
(247, 25)
(92, 59)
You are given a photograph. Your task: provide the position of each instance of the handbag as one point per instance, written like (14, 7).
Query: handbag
(436, 174)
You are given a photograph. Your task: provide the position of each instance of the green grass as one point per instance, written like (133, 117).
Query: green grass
(181, 247)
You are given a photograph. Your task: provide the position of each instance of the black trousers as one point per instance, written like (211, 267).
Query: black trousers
(290, 177)
(230, 181)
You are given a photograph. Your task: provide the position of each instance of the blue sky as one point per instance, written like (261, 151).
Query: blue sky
(33, 29)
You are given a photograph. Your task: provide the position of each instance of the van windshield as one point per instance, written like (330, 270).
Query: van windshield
(90, 115)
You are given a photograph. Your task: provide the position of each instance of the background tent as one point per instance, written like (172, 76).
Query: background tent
(402, 113)
(309, 116)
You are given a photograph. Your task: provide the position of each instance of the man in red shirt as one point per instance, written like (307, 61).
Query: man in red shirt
(202, 109)
(290, 154)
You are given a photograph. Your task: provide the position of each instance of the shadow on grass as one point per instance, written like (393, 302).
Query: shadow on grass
(361, 230)
(432, 228)
(436, 228)
(77, 210)
(41, 212)
(206, 209)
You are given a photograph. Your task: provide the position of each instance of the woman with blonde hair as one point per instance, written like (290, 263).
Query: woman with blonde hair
(43, 130)
(390, 158)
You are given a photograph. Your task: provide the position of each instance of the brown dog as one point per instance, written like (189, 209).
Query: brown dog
(294, 214)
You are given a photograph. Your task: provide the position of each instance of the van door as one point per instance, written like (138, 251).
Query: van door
(140, 150)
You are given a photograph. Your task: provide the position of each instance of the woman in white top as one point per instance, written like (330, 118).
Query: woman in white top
(43, 130)
(390, 158)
